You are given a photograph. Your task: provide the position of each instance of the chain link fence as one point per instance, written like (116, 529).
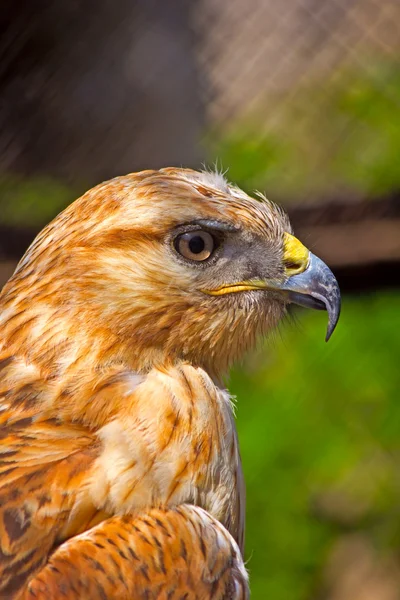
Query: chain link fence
(298, 98)
(309, 89)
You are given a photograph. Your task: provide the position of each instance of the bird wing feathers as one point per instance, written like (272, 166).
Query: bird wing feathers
(42, 466)
(180, 552)
(58, 479)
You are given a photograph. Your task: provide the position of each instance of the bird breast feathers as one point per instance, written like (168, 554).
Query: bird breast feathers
(175, 442)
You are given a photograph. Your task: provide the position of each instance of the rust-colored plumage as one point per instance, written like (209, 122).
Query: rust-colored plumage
(176, 552)
(120, 472)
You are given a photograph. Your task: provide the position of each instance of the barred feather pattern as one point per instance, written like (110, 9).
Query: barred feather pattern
(120, 472)
(168, 554)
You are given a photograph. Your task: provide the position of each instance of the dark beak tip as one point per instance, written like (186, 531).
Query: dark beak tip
(333, 316)
(317, 288)
(329, 332)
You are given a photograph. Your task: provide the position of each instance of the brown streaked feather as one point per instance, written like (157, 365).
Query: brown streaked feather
(35, 506)
(111, 358)
(42, 466)
(169, 439)
(162, 554)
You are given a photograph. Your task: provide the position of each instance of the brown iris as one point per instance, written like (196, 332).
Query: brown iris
(195, 245)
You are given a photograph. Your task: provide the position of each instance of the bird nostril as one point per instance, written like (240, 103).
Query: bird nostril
(293, 266)
(295, 256)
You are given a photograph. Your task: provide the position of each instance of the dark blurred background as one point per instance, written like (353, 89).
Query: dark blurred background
(300, 99)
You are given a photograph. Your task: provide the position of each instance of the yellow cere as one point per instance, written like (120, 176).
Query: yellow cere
(296, 257)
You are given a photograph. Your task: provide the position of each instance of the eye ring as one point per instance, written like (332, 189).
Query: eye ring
(197, 245)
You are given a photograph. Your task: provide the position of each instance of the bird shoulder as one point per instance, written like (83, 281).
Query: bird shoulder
(161, 439)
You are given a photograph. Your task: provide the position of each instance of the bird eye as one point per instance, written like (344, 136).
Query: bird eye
(195, 245)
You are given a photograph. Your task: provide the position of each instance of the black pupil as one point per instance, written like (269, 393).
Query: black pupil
(196, 244)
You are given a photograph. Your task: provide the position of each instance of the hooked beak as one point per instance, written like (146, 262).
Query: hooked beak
(308, 282)
(315, 287)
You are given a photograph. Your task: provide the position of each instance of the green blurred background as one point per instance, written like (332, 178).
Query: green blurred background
(319, 429)
(300, 99)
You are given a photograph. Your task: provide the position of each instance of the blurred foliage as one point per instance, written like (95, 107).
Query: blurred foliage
(339, 135)
(319, 429)
(31, 202)
(319, 425)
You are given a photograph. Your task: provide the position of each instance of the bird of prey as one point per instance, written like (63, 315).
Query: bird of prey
(120, 473)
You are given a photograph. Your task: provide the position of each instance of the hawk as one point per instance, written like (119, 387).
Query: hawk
(120, 473)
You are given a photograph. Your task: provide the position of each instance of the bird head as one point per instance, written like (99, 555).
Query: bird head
(162, 266)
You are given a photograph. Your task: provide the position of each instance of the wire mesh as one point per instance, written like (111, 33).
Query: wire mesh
(298, 98)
